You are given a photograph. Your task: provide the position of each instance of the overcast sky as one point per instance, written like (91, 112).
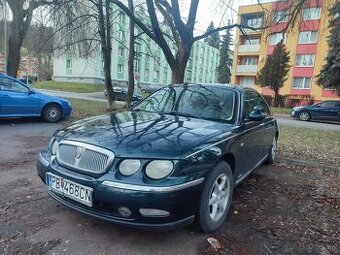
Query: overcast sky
(211, 10)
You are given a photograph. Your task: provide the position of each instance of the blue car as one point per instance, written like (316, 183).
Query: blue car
(18, 100)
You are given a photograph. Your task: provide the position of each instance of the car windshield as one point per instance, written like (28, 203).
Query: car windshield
(197, 101)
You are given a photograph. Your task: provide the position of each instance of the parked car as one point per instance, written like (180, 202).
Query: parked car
(19, 100)
(326, 110)
(175, 157)
(121, 93)
(149, 88)
(26, 81)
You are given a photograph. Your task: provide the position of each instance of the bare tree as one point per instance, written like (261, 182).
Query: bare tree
(182, 29)
(22, 13)
(82, 29)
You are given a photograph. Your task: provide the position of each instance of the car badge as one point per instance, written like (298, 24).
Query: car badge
(79, 154)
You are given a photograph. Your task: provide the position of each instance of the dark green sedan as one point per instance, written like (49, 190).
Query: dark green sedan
(174, 159)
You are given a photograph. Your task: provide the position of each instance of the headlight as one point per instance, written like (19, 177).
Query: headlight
(129, 167)
(159, 169)
(54, 147)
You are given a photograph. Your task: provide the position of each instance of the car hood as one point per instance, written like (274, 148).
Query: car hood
(298, 108)
(145, 134)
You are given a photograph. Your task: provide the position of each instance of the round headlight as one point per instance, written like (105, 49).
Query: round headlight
(54, 147)
(129, 167)
(159, 169)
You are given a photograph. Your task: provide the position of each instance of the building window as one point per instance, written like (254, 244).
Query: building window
(146, 75)
(156, 75)
(307, 37)
(68, 64)
(121, 18)
(281, 16)
(120, 68)
(251, 41)
(305, 60)
(121, 52)
(311, 13)
(249, 61)
(276, 38)
(121, 35)
(247, 81)
(254, 20)
(302, 83)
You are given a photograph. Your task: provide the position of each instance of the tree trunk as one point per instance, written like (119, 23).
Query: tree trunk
(131, 80)
(276, 98)
(178, 70)
(19, 25)
(105, 40)
(13, 58)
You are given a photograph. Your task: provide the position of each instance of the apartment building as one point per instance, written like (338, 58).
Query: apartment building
(150, 64)
(306, 43)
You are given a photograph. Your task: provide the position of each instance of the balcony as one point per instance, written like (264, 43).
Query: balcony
(249, 48)
(246, 68)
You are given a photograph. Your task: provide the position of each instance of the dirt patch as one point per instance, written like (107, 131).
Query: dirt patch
(280, 210)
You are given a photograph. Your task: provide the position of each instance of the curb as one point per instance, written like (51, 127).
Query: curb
(305, 163)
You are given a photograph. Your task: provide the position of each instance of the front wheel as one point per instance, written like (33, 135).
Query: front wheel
(52, 113)
(216, 198)
(304, 116)
(272, 152)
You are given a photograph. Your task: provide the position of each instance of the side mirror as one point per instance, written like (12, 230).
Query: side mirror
(257, 114)
(31, 92)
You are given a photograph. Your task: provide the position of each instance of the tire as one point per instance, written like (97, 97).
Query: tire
(209, 218)
(52, 113)
(304, 116)
(272, 152)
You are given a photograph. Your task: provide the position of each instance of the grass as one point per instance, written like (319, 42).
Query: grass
(84, 108)
(69, 86)
(281, 110)
(308, 144)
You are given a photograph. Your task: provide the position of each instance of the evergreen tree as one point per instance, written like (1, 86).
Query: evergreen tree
(275, 70)
(213, 39)
(329, 76)
(223, 69)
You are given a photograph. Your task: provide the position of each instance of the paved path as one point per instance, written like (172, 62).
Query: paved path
(287, 121)
(95, 96)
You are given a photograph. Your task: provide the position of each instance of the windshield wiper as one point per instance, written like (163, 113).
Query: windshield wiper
(183, 114)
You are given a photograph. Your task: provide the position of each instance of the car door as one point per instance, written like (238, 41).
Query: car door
(325, 111)
(337, 110)
(255, 136)
(16, 99)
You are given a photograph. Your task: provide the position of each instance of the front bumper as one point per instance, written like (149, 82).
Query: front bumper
(293, 114)
(181, 201)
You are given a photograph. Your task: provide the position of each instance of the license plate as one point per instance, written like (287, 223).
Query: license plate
(70, 189)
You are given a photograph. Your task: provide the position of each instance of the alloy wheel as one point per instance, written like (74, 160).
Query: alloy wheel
(219, 197)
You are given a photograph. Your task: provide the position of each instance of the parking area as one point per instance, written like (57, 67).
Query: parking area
(279, 209)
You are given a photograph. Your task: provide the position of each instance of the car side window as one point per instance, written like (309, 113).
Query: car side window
(11, 85)
(326, 104)
(252, 99)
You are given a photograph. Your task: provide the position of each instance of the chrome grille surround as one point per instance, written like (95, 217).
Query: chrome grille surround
(84, 157)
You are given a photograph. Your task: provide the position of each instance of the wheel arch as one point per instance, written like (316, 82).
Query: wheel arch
(230, 159)
(52, 103)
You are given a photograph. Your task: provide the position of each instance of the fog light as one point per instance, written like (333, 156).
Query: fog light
(153, 212)
(124, 211)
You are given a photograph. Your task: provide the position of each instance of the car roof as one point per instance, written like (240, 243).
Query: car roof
(216, 85)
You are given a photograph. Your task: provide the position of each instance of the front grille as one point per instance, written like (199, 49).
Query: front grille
(84, 157)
